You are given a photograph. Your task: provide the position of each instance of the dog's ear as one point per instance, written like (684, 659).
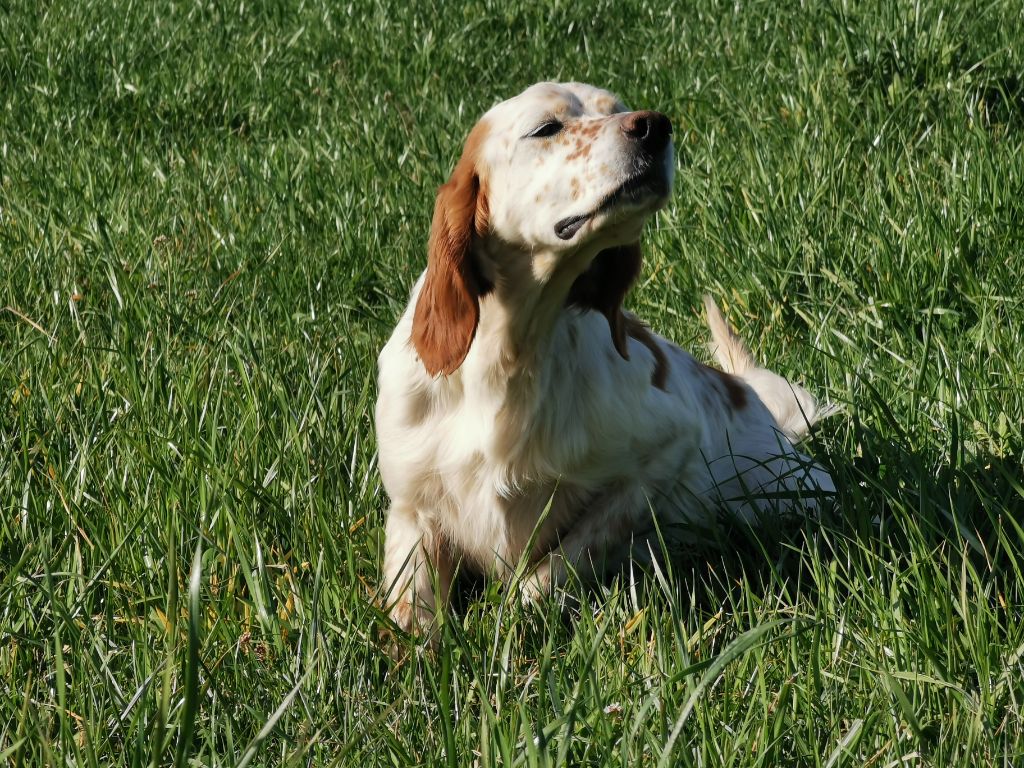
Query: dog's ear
(603, 287)
(448, 309)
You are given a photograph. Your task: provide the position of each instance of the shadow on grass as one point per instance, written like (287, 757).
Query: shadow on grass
(894, 506)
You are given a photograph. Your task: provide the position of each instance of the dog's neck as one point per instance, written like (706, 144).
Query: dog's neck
(529, 293)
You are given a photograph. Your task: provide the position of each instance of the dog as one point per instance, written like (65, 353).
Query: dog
(523, 416)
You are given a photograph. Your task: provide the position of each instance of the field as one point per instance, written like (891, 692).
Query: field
(210, 218)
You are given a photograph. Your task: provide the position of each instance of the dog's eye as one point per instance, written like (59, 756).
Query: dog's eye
(544, 130)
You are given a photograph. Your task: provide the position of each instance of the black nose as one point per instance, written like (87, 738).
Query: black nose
(651, 129)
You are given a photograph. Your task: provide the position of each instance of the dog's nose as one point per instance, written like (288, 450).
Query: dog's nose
(650, 128)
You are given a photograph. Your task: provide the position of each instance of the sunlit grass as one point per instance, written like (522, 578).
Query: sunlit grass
(210, 217)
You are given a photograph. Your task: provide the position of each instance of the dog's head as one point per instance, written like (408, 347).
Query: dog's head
(561, 177)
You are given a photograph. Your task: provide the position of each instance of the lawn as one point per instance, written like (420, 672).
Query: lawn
(210, 218)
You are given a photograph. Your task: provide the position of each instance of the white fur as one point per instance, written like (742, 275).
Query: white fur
(544, 430)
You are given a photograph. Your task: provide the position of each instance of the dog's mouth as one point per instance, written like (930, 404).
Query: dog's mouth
(566, 228)
(639, 188)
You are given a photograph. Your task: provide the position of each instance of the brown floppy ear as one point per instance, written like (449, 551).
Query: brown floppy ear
(448, 309)
(603, 287)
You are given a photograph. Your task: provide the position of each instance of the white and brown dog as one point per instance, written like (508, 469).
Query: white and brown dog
(521, 408)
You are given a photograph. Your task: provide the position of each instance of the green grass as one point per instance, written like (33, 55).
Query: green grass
(210, 216)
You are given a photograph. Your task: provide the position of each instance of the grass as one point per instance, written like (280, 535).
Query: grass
(210, 216)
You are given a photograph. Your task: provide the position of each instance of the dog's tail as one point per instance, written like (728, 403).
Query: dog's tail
(726, 346)
(794, 408)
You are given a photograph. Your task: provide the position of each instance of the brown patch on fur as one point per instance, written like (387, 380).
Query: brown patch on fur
(604, 286)
(639, 331)
(582, 150)
(734, 390)
(482, 215)
(448, 308)
(582, 130)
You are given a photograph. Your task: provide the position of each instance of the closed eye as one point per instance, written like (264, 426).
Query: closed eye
(544, 130)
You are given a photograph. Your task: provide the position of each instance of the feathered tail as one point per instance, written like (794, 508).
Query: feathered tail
(794, 408)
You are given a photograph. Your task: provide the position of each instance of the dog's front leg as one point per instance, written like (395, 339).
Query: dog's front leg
(415, 562)
(597, 542)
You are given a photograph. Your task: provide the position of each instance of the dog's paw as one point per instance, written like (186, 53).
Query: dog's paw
(417, 623)
(537, 586)
(534, 588)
